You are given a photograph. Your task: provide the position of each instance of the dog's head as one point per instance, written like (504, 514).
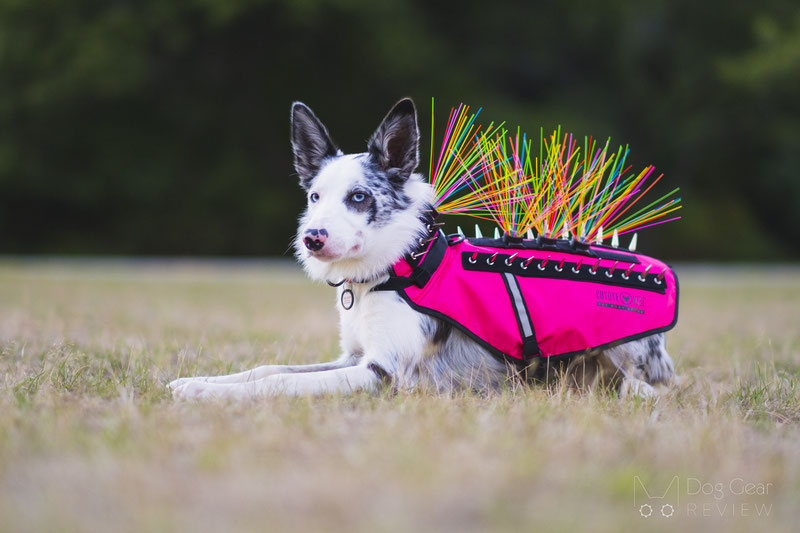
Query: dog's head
(364, 210)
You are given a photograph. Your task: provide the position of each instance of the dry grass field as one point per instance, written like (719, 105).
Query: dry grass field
(90, 439)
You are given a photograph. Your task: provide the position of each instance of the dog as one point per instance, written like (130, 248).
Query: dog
(364, 212)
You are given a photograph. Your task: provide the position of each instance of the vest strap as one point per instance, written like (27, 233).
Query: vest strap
(530, 347)
(422, 271)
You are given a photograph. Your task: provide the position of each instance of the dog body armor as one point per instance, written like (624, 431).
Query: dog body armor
(523, 299)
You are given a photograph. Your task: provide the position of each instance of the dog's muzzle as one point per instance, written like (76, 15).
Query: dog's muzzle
(315, 239)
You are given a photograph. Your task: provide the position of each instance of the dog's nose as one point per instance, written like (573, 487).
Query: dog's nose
(315, 239)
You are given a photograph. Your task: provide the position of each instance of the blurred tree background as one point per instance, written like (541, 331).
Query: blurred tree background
(153, 127)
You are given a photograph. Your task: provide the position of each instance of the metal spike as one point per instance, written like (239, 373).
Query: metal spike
(634, 242)
(599, 239)
(478, 234)
(460, 231)
(530, 234)
(496, 233)
(615, 239)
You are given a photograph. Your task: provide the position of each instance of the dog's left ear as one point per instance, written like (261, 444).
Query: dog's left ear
(395, 144)
(311, 143)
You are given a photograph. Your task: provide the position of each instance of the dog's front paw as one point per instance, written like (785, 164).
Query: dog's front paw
(174, 384)
(635, 388)
(190, 389)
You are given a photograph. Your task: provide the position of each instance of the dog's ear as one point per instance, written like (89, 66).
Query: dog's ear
(311, 143)
(395, 144)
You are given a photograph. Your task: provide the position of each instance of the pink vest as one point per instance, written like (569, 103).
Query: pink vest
(538, 298)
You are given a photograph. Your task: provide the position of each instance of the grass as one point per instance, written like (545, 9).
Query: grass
(91, 441)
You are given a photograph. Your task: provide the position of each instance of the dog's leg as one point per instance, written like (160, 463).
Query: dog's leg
(339, 381)
(636, 388)
(634, 367)
(263, 371)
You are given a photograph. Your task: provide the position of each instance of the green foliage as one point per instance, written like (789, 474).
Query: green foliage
(162, 127)
(770, 395)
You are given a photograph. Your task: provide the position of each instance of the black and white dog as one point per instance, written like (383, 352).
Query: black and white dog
(365, 211)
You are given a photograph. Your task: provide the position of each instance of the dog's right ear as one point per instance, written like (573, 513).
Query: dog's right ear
(311, 143)
(395, 144)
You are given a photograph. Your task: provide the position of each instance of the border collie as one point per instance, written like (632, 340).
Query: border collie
(365, 211)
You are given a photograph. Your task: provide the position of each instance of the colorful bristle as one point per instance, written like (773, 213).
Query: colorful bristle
(454, 174)
(560, 191)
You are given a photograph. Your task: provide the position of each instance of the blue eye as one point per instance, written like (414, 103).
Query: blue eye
(358, 197)
(313, 197)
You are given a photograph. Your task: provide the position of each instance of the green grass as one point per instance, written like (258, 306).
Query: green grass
(91, 441)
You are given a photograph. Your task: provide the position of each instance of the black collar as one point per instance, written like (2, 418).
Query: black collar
(428, 217)
(353, 281)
